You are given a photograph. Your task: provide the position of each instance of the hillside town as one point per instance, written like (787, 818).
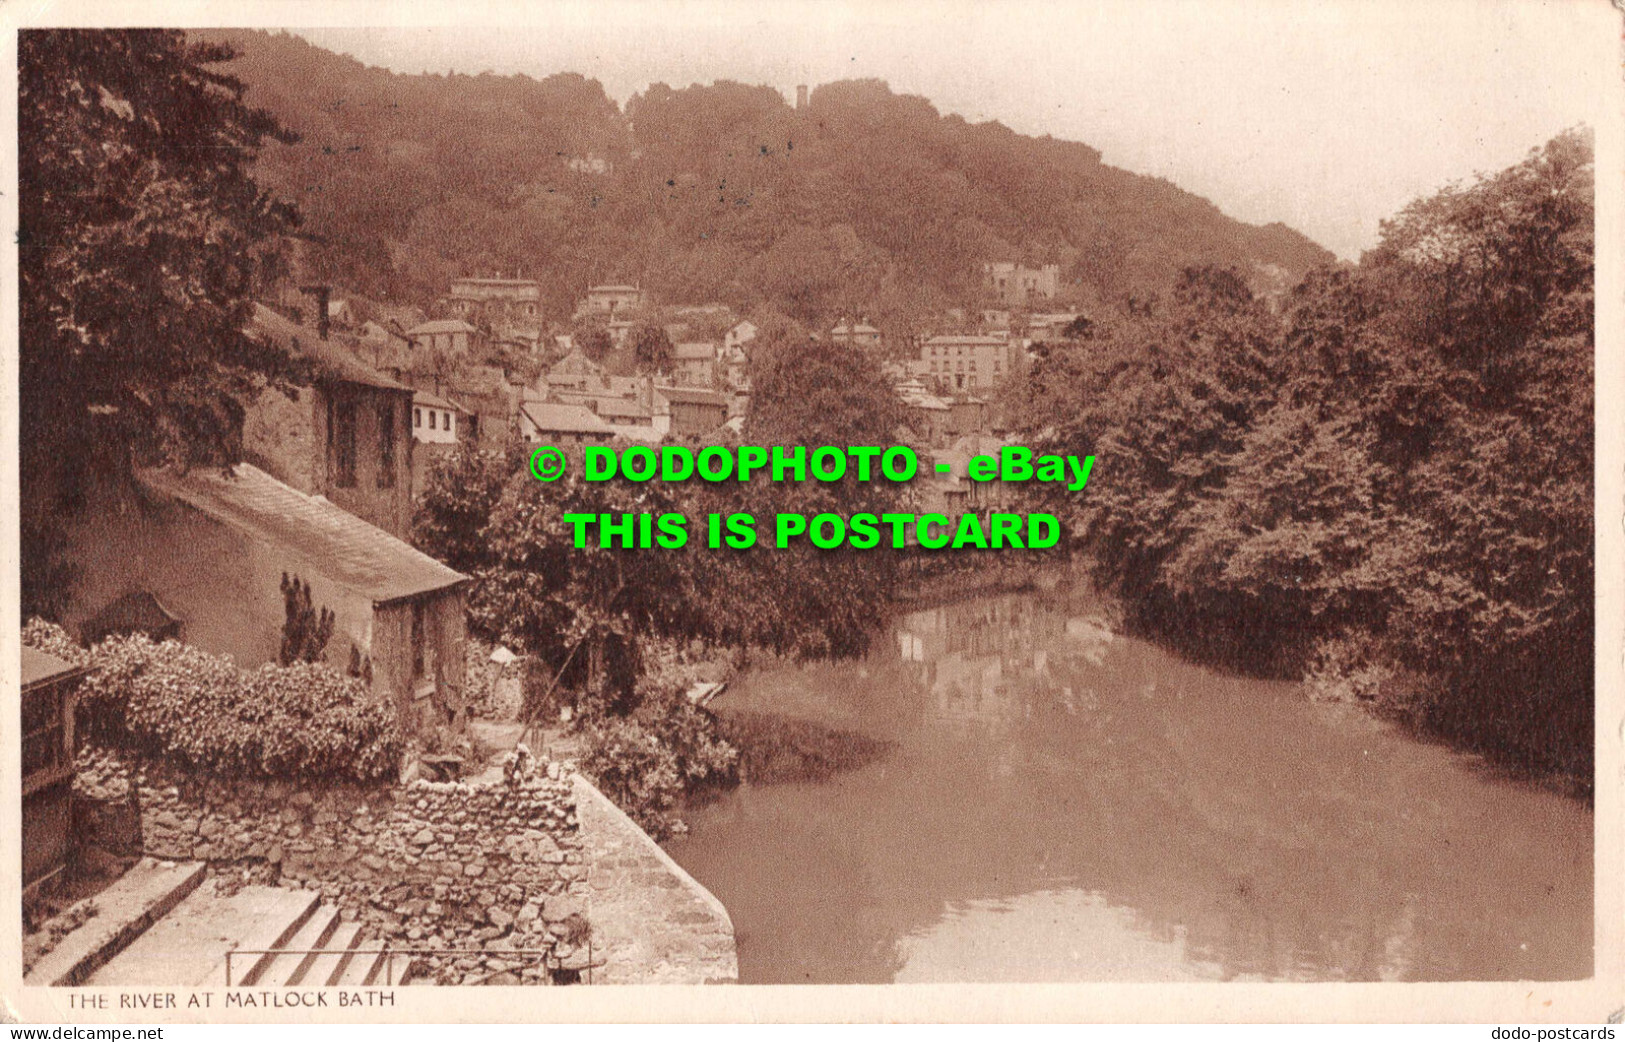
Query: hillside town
(330, 482)
(322, 688)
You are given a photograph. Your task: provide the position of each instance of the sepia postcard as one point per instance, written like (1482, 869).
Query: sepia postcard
(729, 511)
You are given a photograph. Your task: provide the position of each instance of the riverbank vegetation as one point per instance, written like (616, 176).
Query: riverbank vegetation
(1385, 484)
(599, 622)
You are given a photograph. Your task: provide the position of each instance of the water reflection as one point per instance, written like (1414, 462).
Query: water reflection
(1062, 803)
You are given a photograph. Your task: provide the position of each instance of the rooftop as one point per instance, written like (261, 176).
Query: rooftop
(441, 325)
(333, 361)
(693, 396)
(479, 380)
(608, 405)
(575, 364)
(435, 401)
(330, 540)
(565, 418)
(967, 341)
(40, 668)
(694, 349)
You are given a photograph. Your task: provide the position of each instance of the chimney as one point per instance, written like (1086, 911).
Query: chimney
(323, 295)
(801, 97)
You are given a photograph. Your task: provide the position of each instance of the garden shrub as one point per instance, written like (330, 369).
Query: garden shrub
(203, 713)
(54, 640)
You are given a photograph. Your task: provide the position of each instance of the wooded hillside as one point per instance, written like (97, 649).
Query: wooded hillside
(868, 202)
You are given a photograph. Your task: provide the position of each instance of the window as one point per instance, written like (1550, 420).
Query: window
(386, 444)
(420, 642)
(341, 442)
(45, 735)
(432, 415)
(417, 417)
(445, 421)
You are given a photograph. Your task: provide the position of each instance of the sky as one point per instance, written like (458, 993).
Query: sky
(1327, 116)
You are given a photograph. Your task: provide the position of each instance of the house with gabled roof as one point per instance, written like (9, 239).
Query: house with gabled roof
(694, 411)
(449, 335)
(562, 423)
(347, 436)
(213, 547)
(858, 334)
(694, 363)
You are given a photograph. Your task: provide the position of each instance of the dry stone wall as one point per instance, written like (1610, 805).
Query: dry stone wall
(495, 867)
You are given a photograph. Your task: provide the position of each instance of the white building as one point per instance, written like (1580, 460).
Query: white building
(435, 420)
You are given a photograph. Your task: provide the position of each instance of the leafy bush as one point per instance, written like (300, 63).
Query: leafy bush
(639, 774)
(203, 713)
(702, 756)
(54, 640)
(647, 762)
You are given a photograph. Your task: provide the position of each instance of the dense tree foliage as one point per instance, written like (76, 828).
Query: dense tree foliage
(1389, 484)
(587, 610)
(142, 237)
(867, 203)
(652, 349)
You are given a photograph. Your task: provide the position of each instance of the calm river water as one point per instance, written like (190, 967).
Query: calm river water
(1061, 803)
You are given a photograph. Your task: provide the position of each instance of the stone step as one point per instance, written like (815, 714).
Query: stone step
(325, 968)
(286, 913)
(125, 910)
(364, 968)
(281, 970)
(188, 947)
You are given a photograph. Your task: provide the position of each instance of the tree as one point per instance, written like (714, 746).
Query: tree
(652, 349)
(305, 631)
(583, 609)
(594, 341)
(801, 600)
(456, 504)
(142, 236)
(1390, 481)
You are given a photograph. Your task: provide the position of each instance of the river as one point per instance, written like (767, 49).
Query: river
(1058, 802)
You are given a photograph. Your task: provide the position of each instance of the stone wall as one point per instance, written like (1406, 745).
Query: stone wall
(495, 866)
(654, 922)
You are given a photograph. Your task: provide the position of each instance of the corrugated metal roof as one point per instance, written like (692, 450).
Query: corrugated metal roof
(40, 668)
(329, 540)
